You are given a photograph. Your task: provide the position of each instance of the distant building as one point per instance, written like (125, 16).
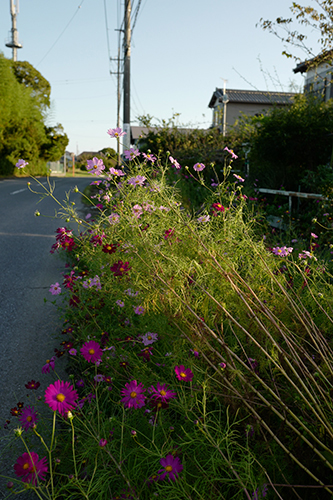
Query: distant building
(249, 102)
(318, 75)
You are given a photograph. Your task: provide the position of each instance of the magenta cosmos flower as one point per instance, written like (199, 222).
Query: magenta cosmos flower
(55, 289)
(116, 132)
(91, 351)
(183, 373)
(198, 167)
(161, 393)
(30, 468)
(95, 166)
(48, 365)
(61, 396)
(21, 163)
(171, 467)
(149, 157)
(133, 395)
(28, 417)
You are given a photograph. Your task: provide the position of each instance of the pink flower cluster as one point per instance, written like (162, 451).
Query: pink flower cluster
(64, 239)
(282, 251)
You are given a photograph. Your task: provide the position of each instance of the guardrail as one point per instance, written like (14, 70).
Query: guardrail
(296, 194)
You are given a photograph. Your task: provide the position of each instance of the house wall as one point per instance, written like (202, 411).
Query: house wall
(235, 109)
(318, 81)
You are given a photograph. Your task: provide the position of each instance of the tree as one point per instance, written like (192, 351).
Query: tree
(315, 20)
(31, 78)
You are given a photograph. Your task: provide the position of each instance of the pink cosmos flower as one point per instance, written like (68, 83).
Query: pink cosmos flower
(174, 162)
(171, 467)
(95, 166)
(73, 352)
(133, 395)
(314, 235)
(231, 152)
(139, 310)
(149, 157)
(55, 289)
(282, 251)
(161, 393)
(184, 374)
(30, 469)
(137, 181)
(238, 177)
(137, 210)
(49, 364)
(21, 164)
(131, 154)
(120, 303)
(198, 167)
(91, 351)
(149, 338)
(114, 218)
(116, 171)
(306, 254)
(61, 396)
(28, 417)
(116, 132)
(204, 218)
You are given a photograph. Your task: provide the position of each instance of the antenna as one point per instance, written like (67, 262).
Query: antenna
(13, 43)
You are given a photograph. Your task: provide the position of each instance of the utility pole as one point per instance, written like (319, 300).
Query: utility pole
(127, 61)
(14, 43)
(118, 73)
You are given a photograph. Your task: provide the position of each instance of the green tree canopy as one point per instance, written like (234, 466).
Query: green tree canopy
(31, 78)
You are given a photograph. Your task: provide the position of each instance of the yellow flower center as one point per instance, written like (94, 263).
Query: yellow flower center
(122, 269)
(149, 337)
(47, 361)
(163, 393)
(168, 468)
(60, 397)
(26, 466)
(91, 351)
(29, 418)
(182, 374)
(159, 405)
(133, 394)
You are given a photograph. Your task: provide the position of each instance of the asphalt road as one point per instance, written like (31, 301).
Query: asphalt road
(27, 324)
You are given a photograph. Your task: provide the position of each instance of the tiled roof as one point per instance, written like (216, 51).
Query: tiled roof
(252, 96)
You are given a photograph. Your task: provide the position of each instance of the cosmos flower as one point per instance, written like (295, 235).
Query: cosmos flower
(174, 162)
(149, 157)
(131, 153)
(161, 393)
(55, 289)
(137, 181)
(218, 207)
(120, 303)
(184, 374)
(204, 218)
(133, 395)
(149, 338)
(32, 385)
(30, 469)
(114, 218)
(61, 396)
(91, 351)
(238, 177)
(95, 166)
(231, 152)
(116, 132)
(282, 251)
(120, 268)
(139, 310)
(198, 167)
(48, 365)
(21, 164)
(117, 172)
(171, 467)
(28, 417)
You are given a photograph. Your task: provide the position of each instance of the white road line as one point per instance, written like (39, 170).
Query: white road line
(18, 191)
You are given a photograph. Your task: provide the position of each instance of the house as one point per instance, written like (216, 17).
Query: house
(318, 75)
(249, 102)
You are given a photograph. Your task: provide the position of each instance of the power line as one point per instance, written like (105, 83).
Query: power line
(136, 15)
(63, 31)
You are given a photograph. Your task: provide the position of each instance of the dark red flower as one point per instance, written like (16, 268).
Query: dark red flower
(109, 248)
(67, 345)
(74, 301)
(32, 385)
(69, 280)
(120, 268)
(146, 353)
(59, 353)
(20, 405)
(16, 411)
(169, 233)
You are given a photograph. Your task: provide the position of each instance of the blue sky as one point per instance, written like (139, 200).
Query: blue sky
(181, 51)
